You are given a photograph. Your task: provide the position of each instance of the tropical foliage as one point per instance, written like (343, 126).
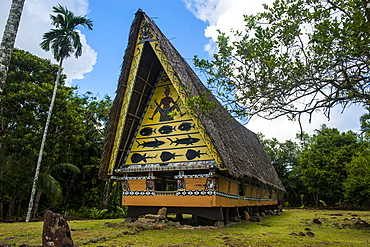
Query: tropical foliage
(357, 183)
(74, 141)
(328, 168)
(63, 40)
(285, 158)
(323, 164)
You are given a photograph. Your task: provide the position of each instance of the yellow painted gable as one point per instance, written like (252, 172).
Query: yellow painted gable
(163, 138)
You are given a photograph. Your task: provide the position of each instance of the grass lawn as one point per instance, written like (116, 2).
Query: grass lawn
(291, 228)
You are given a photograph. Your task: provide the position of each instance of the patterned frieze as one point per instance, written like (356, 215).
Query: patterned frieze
(194, 176)
(168, 167)
(132, 178)
(194, 193)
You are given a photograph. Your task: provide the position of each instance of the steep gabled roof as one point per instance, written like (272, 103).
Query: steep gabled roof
(239, 149)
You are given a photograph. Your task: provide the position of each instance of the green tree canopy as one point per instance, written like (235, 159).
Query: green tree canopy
(26, 99)
(296, 57)
(357, 184)
(75, 137)
(322, 165)
(284, 157)
(365, 124)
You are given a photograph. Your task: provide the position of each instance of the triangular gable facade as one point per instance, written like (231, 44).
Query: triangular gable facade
(203, 164)
(180, 140)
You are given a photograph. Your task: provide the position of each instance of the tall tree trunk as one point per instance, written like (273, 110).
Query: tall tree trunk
(1, 190)
(316, 198)
(11, 207)
(8, 40)
(2, 211)
(19, 208)
(36, 205)
(33, 192)
(107, 194)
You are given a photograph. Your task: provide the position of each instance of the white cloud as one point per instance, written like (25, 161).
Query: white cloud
(283, 129)
(223, 15)
(77, 68)
(35, 22)
(204, 10)
(227, 15)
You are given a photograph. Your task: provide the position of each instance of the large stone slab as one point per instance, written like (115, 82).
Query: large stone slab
(56, 231)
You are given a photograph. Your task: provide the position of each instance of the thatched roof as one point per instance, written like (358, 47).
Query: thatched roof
(240, 150)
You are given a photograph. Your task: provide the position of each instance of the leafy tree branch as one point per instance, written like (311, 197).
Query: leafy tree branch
(295, 58)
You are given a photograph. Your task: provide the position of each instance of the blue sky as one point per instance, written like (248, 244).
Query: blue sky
(189, 24)
(112, 21)
(107, 42)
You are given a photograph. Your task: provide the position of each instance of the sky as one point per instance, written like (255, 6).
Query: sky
(190, 25)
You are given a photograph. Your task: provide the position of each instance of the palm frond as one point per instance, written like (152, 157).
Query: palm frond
(48, 185)
(49, 37)
(64, 39)
(76, 44)
(66, 167)
(83, 21)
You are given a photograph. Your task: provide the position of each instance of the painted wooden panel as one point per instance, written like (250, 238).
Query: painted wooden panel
(165, 138)
(228, 186)
(234, 188)
(223, 185)
(195, 183)
(137, 185)
(169, 201)
(253, 192)
(248, 191)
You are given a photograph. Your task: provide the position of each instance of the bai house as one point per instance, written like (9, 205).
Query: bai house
(204, 164)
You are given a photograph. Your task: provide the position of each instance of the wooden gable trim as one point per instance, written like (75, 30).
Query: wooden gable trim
(126, 101)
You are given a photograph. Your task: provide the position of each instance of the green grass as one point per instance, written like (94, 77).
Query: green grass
(282, 230)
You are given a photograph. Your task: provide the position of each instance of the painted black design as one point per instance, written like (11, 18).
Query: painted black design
(166, 129)
(166, 156)
(153, 144)
(147, 131)
(184, 141)
(192, 154)
(186, 126)
(146, 34)
(136, 157)
(165, 106)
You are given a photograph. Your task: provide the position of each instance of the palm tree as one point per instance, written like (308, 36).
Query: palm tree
(49, 186)
(8, 40)
(63, 41)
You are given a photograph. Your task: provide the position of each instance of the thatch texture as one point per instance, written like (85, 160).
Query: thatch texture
(239, 148)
